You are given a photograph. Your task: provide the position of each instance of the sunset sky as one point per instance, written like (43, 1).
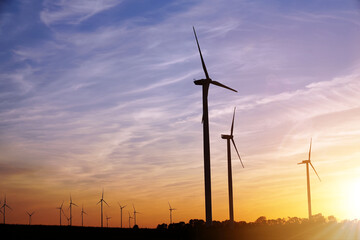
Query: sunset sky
(100, 95)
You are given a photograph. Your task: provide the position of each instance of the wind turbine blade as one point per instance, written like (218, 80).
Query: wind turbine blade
(202, 59)
(232, 124)
(99, 202)
(169, 205)
(106, 203)
(102, 194)
(315, 171)
(62, 204)
(310, 149)
(222, 85)
(237, 152)
(75, 204)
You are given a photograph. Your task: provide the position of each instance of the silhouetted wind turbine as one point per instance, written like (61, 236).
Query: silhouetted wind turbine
(101, 204)
(68, 219)
(82, 215)
(71, 203)
(171, 209)
(30, 215)
(61, 210)
(135, 212)
(130, 219)
(107, 221)
(307, 162)
(205, 83)
(121, 208)
(228, 139)
(4, 206)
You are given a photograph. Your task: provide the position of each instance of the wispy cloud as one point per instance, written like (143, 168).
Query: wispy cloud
(73, 11)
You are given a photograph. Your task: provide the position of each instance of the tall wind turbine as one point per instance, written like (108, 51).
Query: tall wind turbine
(30, 215)
(3, 207)
(121, 209)
(307, 162)
(70, 207)
(228, 139)
(205, 83)
(82, 215)
(61, 210)
(129, 219)
(101, 204)
(135, 212)
(171, 209)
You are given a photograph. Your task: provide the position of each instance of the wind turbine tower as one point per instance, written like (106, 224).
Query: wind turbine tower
(3, 207)
(107, 221)
(70, 208)
(228, 139)
(82, 215)
(171, 209)
(61, 210)
(307, 162)
(30, 215)
(205, 83)
(130, 219)
(135, 212)
(121, 210)
(101, 201)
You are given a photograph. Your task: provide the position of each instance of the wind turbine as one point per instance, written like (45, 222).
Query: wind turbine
(228, 139)
(101, 204)
(71, 203)
(171, 209)
(307, 162)
(61, 210)
(121, 208)
(107, 221)
(4, 206)
(135, 212)
(205, 83)
(129, 219)
(82, 215)
(30, 215)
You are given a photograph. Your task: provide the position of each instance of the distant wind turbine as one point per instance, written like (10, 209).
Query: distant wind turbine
(3, 207)
(107, 221)
(130, 219)
(171, 209)
(30, 215)
(135, 212)
(228, 139)
(205, 83)
(61, 210)
(82, 215)
(70, 208)
(68, 219)
(121, 210)
(101, 204)
(307, 162)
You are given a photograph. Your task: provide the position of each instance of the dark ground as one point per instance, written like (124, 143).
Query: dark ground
(326, 231)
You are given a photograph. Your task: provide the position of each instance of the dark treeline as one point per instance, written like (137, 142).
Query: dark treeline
(292, 228)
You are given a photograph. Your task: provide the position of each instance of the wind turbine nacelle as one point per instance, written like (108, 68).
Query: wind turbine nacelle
(224, 136)
(202, 81)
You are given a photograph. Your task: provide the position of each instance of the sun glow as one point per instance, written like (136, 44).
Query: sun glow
(352, 199)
